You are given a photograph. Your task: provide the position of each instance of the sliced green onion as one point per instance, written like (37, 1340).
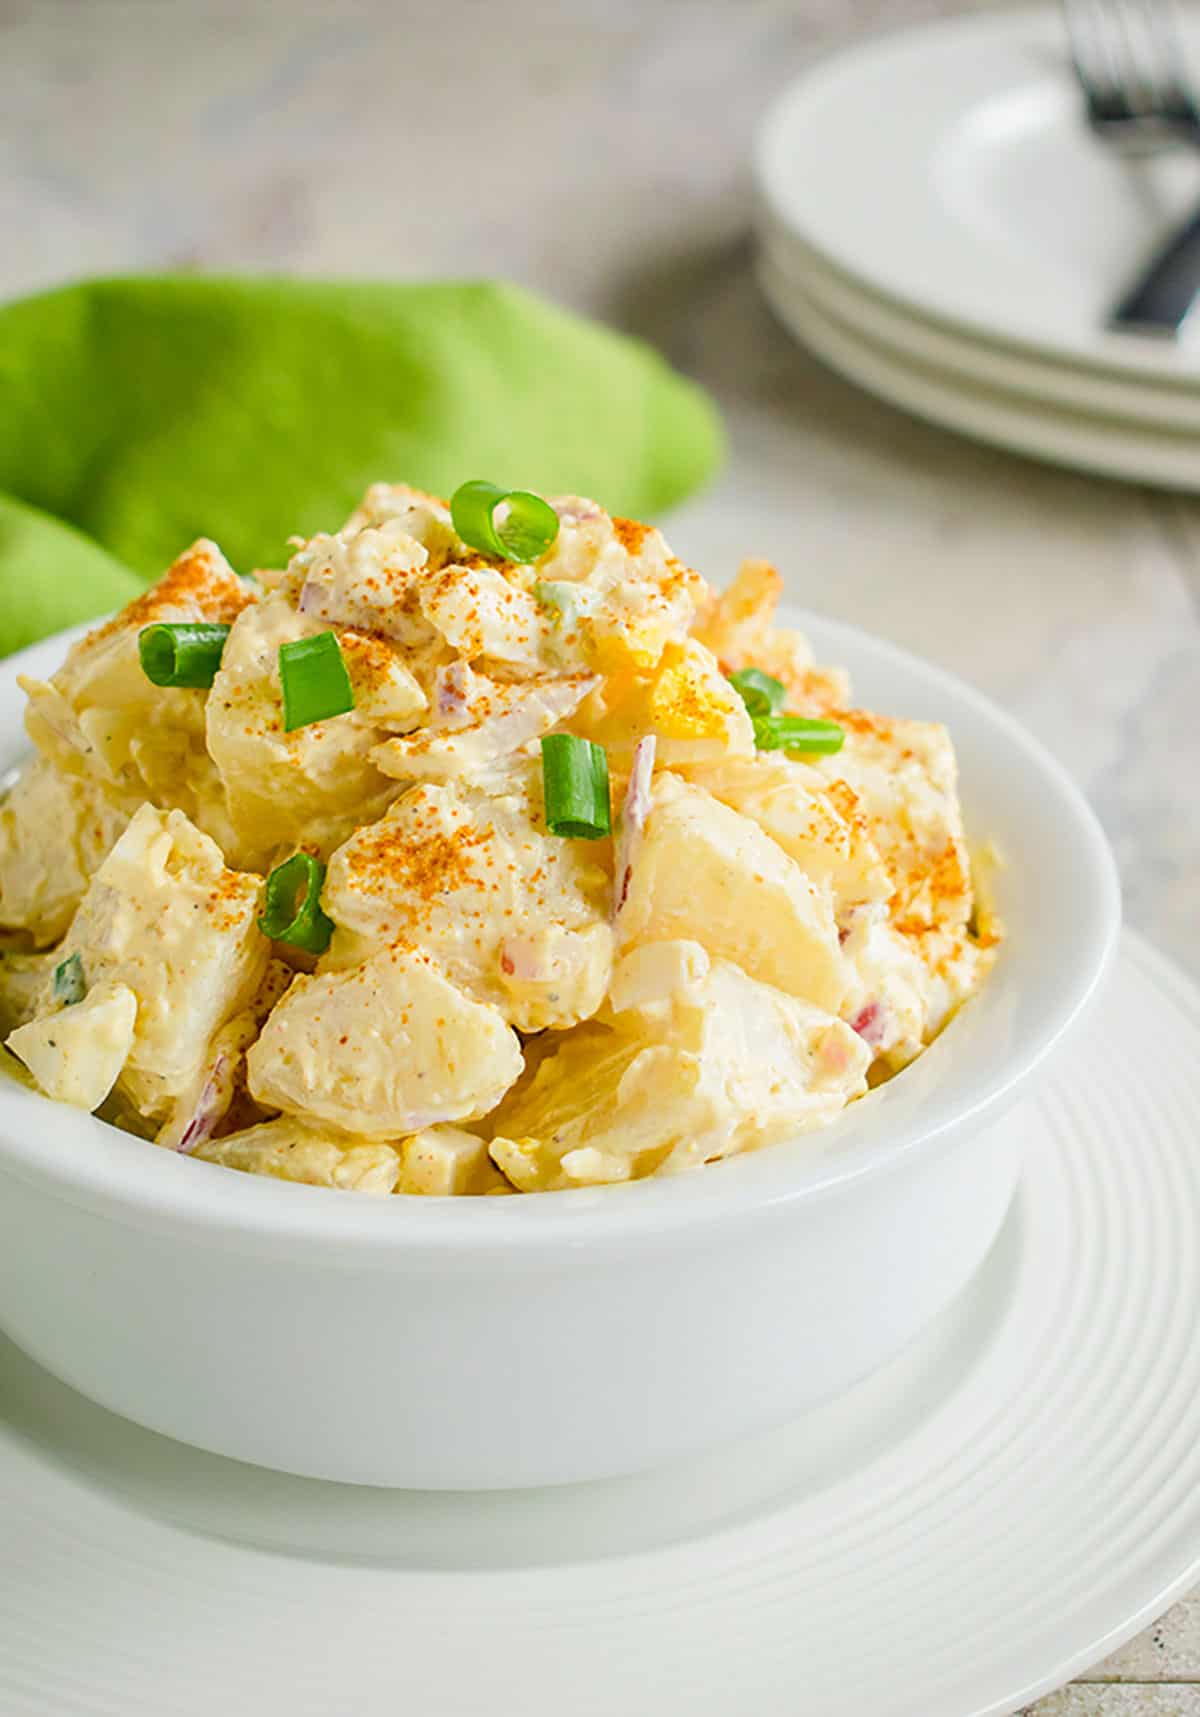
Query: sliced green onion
(510, 523)
(314, 679)
(70, 985)
(575, 780)
(761, 693)
(292, 908)
(181, 655)
(797, 733)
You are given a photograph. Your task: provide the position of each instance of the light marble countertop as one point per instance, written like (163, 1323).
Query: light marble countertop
(596, 150)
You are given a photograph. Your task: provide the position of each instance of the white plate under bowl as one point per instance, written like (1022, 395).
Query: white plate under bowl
(949, 168)
(1109, 448)
(1130, 400)
(1008, 1502)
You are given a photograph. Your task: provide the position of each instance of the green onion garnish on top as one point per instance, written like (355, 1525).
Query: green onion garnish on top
(70, 985)
(763, 696)
(292, 907)
(761, 693)
(575, 783)
(797, 733)
(314, 680)
(510, 523)
(181, 654)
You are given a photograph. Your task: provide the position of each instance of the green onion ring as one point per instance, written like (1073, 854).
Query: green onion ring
(292, 906)
(316, 686)
(70, 985)
(181, 654)
(761, 693)
(798, 734)
(575, 784)
(526, 528)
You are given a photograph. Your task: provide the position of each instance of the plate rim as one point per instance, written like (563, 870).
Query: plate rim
(1130, 400)
(942, 399)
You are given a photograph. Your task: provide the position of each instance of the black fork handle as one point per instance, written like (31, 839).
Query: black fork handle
(1166, 291)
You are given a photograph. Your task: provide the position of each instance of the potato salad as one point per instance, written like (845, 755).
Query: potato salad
(482, 849)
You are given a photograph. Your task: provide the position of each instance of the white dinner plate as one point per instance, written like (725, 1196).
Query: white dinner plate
(1130, 400)
(949, 169)
(1008, 1502)
(1110, 447)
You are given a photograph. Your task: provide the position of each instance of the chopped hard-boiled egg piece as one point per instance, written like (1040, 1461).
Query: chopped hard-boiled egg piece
(423, 516)
(286, 1149)
(616, 594)
(55, 829)
(76, 1054)
(697, 1062)
(440, 1162)
(384, 1049)
(684, 700)
(165, 917)
(515, 916)
(445, 1162)
(314, 785)
(478, 723)
(488, 611)
(367, 579)
(705, 873)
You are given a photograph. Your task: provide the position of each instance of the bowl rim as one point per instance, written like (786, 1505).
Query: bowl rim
(125, 1181)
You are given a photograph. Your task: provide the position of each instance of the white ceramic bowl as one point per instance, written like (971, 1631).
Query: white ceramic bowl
(449, 1343)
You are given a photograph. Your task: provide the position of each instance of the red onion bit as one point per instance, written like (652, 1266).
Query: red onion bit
(210, 1107)
(452, 686)
(520, 959)
(311, 594)
(576, 510)
(871, 1023)
(634, 813)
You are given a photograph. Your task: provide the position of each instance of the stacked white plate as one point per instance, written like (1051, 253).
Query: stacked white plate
(937, 223)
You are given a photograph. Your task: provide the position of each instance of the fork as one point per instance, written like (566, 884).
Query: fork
(1138, 99)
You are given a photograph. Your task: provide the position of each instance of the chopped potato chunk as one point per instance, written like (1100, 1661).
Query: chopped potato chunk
(312, 786)
(286, 1150)
(905, 779)
(164, 917)
(99, 715)
(54, 831)
(515, 916)
(23, 978)
(707, 874)
(817, 822)
(698, 1062)
(385, 1049)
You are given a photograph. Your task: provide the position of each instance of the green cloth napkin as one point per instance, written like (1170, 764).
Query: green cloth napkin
(137, 414)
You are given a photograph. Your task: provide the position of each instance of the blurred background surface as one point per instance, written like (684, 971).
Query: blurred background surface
(597, 150)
